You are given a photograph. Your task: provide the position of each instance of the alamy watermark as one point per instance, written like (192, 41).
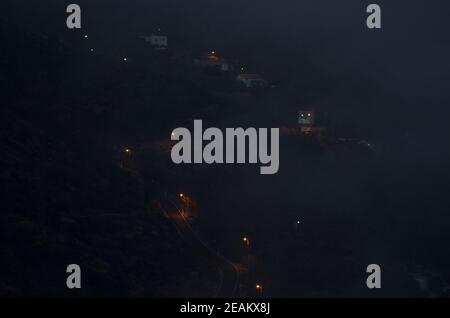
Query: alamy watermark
(73, 20)
(73, 281)
(229, 147)
(374, 279)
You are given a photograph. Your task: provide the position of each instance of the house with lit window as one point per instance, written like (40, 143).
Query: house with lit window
(307, 122)
(213, 61)
(306, 117)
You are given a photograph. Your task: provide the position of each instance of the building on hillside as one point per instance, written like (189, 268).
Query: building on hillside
(213, 61)
(252, 80)
(159, 42)
(306, 118)
(308, 124)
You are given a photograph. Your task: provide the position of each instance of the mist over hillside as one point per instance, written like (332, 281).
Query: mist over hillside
(87, 175)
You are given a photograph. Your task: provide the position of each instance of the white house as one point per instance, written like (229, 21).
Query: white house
(157, 41)
(252, 80)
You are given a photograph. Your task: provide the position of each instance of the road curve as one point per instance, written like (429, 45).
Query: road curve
(229, 286)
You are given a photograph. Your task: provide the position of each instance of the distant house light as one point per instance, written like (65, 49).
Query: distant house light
(306, 117)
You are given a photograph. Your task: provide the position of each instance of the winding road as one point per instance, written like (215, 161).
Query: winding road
(229, 285)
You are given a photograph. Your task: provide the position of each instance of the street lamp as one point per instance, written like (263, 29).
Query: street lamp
(259, 288)
(246, 241)
(181, 195)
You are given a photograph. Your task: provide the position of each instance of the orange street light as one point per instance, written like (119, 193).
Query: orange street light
(259, 288)
(181, 195)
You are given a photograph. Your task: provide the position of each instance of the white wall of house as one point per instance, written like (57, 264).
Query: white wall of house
(157, 40)
(252, 82)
